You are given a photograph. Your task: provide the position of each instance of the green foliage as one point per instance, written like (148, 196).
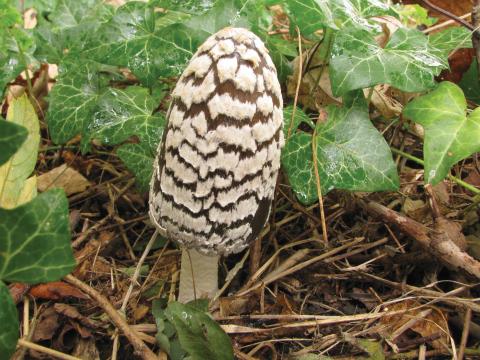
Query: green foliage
(450, 134)
(312, 15)
(12, 137)
(415, 15)
(138, 158)
(35, 236)
(8, 323)
(351, 154)
(470, 84)
(409, 61)
(16, 45)
(187, 329)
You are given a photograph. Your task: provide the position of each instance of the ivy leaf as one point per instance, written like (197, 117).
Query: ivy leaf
(313, 15)
(409, 61)
(130, 38)
(15, 54)
(8, 323)
(470, 84)
(35, 244)
(12, 137)
(351, 154)
(299, 118)
(123, 113)
(193, 7)
(279, 48)
(199, 335)
(14, 173)
(73, 99)
(138, 158)
(450, 135)
(65, 32)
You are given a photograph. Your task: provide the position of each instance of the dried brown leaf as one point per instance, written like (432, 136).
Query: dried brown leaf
(63, 177)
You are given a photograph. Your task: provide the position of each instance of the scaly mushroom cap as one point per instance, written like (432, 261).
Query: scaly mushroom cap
(216, 168)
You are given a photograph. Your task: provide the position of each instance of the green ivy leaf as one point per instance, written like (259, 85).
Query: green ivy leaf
(279, 49)
(15, 172)
(12, 137)
(16, 52)
(414, 15)
(409, 61)
(299, 118)
(35, 245)
(130, 38)
(313, 15)
(193, 7)
(66, 31)
(73, 100)
(351, 154)
(450, 135)
(123, 113)
(8, 323)
(470, 84)
(199, 335)
(138, 158)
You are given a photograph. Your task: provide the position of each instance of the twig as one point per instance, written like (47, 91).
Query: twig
(299, 81)
(319, 186)
(445, 24)
(448, 14)
(434, 241)
(45, 350)
(476, 34)
(451, 177)
(465, 333)
(132, 284)
(140, 348)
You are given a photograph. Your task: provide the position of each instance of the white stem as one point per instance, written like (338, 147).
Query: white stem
(198, 276)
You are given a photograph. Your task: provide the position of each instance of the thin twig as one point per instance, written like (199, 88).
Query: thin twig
(299, 81)
(465, 333)
(448, 14)
(133, 281)
(45, 350)
(319, 186)
(140, 348)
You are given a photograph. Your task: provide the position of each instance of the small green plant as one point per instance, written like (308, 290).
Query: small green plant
(34, 230)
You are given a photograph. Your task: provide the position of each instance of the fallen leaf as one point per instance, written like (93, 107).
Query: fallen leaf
(72, 313)
(56, 290)
(384, 101)
(63, 177)
(47, 325)
(433, 323)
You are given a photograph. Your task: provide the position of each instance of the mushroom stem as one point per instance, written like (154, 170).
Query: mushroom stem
(198, 276)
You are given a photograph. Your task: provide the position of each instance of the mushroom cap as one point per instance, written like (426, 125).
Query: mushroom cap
(215, 172)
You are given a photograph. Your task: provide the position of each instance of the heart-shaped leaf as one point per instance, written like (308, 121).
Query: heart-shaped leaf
(351, 154)
(450, 135)
(8, 323)
(199, 335)
(410, 60)
(12, 137)
(123, 113)
(131, 38)
(313, 15)
(138, 158)
(35, 240)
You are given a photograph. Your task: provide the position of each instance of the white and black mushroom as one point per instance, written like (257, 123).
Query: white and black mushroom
(216, 168)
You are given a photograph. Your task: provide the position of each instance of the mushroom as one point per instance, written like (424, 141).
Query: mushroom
(215, 172)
